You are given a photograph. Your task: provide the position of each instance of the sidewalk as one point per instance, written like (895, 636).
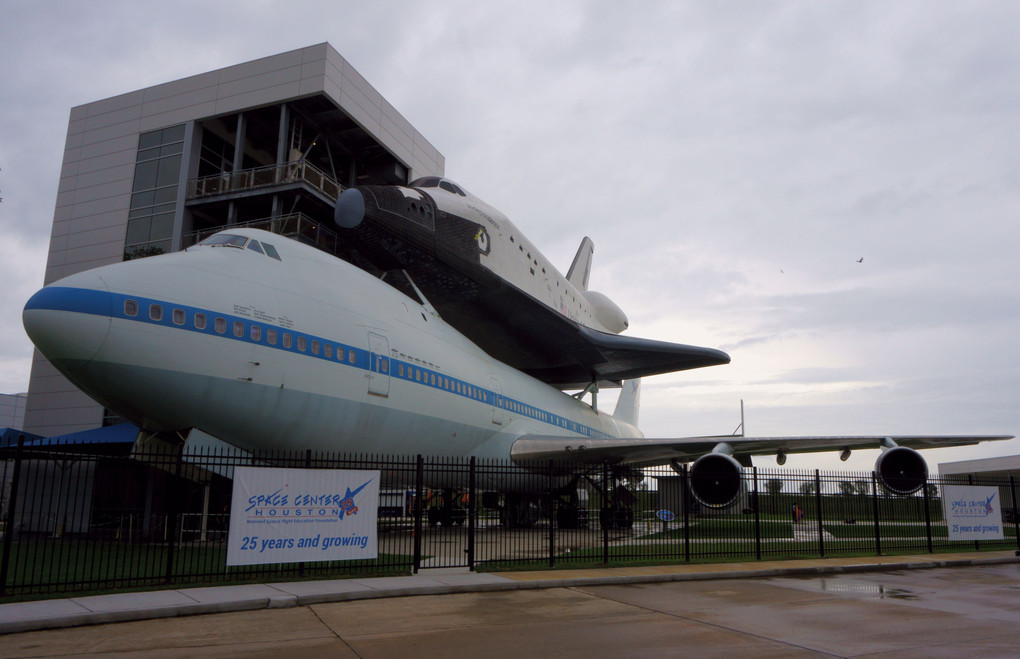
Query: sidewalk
(122, 607)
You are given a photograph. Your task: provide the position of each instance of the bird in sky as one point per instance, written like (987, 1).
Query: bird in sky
(860, 260)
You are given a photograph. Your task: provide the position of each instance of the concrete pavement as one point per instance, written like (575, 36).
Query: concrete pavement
(122, 607)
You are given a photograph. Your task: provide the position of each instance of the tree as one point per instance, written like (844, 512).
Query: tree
(808, 488)
(774, 486)
(847, 487)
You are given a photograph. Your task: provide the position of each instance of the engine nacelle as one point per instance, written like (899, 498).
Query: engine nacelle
(715, 480)
(607, 313)
(902, 470)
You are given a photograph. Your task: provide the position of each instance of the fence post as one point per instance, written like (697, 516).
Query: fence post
(9, 522)
(1016, 513)
(172, 522)
(874, 505)
(818, 508)
(419, 477)
(472, 511)
(605, 516)
(757, 518)
(687, 515)
(927, 517)
(552, 517)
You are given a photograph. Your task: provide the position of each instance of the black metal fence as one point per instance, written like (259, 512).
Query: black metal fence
(86, 517)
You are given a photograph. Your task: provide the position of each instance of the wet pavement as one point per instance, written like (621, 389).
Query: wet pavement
(827, 607)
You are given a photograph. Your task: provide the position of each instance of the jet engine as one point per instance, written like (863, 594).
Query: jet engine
(607, 313)
(715, 479)
(902, 470)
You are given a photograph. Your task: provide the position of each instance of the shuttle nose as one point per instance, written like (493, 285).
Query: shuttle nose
(350, 208)
(69, 320)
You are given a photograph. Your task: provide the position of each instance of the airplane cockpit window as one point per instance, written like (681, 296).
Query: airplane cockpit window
(225, 240)
(271, 251)
(254, 246)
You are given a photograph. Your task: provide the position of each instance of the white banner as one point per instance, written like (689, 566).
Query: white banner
(972, 512)
(300, 515)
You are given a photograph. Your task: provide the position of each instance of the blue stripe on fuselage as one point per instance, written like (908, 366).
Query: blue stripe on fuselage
(103, 303)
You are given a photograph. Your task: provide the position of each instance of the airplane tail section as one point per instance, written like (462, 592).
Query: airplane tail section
(581, 266)
(628, 404)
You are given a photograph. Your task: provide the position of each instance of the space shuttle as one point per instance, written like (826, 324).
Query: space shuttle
(443, 331)
(485, 278)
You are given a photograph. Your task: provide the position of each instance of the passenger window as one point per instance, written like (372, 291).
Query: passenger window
(179, 316)
(200, 321)
(287, 341)
(238, 328)
(400, 370)
(327, 350)
(315, 347)
(384, 365)
(221, 325)
(130, 308)
(255, 247)
(271, 251)
(301, 343)
(350, 357)
(256, 333)
(155, 312)
(271, 336)
(339, 353)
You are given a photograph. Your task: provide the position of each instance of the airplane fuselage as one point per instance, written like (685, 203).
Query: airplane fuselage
(301, 351)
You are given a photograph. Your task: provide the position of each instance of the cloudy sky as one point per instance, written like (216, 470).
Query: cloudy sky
(732, 162)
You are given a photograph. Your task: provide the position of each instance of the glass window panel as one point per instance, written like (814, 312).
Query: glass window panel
(169, 171)
(145, 175)
(328, 350)
(287, 340)
(172, 149)
(179, 317)
(339, 353)
(238, 328)
(255, 247)
(173, 134)
(200, 321)
(315, 347)
(160, 247)
(221, 325)
(152, 138)
(130, 308)
(162, 226)
(140, 199)
(148, 154)
(155, 312)
(137, 231)
(165, 208)
(164, 195)
(256, 333)
(301, 343)
(271, 336)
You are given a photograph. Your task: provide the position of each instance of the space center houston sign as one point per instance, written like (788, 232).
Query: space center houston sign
(299, 515)
(972, 512)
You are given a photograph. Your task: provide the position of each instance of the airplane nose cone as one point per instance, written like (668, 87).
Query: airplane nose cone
(69, 320)
(350, 208)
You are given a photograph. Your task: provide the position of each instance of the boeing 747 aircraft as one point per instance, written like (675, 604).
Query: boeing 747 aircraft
(267, 343)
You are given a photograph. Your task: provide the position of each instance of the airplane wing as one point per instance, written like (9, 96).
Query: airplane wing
(646, 452)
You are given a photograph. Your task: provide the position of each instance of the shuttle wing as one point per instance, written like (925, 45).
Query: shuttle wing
(646, 452)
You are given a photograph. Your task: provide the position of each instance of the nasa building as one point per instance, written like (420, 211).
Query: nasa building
(266, 144)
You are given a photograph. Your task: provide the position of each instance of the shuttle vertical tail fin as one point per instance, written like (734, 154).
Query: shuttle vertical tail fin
(581, 266)
(627, 406)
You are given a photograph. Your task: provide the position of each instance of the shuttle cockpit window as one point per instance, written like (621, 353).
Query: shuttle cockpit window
(450, 187)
